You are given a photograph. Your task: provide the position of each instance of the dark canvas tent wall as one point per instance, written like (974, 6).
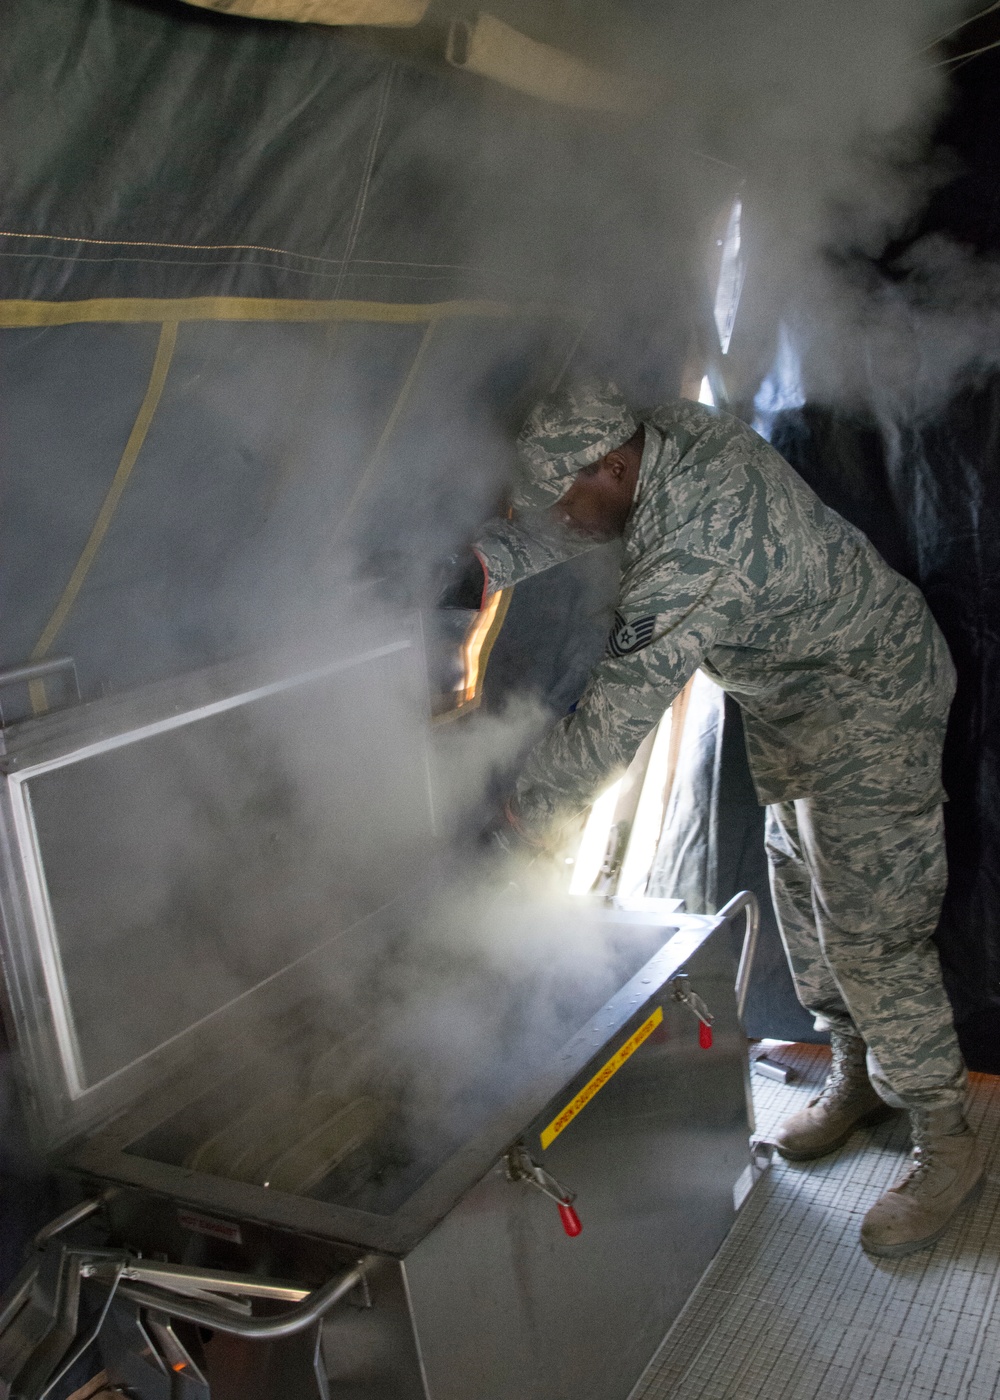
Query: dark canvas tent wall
(262, 286)
(268, 292)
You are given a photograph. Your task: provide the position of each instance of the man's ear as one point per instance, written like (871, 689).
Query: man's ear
(617, 464)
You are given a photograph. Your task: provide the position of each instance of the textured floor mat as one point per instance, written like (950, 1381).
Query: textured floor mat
(792, 1308)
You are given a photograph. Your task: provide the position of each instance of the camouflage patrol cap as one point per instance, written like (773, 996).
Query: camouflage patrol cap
(572, 428)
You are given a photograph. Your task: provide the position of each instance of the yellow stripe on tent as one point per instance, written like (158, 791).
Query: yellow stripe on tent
(136, 438)
(16, 314)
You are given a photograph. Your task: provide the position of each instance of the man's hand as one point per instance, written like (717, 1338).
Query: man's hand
(505, 836)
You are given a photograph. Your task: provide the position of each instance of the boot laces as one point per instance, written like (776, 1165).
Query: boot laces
(921, 1162)
(923, 1157)
(847, 1072)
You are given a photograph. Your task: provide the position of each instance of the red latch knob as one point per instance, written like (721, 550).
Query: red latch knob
(570, 1219)
(704, 1035)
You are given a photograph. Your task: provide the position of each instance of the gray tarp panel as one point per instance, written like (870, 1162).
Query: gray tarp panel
(255, 487)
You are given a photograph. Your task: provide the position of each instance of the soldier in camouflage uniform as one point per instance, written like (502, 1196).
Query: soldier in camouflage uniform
(733, 565)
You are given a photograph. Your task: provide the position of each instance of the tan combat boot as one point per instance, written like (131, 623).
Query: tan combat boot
(946, 1173)
(847, 1101)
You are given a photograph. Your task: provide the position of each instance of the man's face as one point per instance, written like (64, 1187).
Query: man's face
(600, 499)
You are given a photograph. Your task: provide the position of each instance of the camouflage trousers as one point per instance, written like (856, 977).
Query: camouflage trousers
(857, 890)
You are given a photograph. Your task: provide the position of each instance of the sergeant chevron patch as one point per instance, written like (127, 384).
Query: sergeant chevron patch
(627, 637)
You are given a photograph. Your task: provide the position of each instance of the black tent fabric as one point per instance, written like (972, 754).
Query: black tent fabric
(922, 484)
(924, 487)
(932, 508)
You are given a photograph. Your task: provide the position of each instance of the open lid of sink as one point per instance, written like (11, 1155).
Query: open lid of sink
(171, 854)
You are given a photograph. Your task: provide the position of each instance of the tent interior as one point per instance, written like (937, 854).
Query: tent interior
(281, 279)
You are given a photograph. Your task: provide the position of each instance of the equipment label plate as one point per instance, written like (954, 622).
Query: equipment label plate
(601, 1078)
(210, 1225)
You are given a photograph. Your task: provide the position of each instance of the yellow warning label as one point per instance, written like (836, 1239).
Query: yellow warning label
(601, 1077)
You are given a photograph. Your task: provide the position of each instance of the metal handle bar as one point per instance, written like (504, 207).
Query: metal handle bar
(36, 670)
(18, 1292)
(81, 1211)
(744, 902)
(311, 1309)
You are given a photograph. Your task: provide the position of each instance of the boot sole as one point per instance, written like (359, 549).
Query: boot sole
(900, 1251)
(880, 1114)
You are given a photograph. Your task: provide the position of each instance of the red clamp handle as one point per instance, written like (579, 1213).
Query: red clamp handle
(570, 1219)
(520, 1167)
(704, 1036)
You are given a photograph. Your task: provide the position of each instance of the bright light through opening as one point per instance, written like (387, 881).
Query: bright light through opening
(648, 820)
(594, 842)
(782, 389)
(732, 268)
(705, 394)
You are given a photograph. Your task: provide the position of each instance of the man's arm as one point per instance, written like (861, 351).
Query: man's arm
(512, 550)
(626, 696)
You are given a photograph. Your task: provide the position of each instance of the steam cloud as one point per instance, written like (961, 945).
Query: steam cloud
(820, 116)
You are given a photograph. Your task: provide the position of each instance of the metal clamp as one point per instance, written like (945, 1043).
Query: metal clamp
(683, 992)
(520, 1167)
(39, 1317)
(20, 1290)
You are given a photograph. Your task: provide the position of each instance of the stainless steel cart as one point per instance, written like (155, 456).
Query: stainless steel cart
(216, 894)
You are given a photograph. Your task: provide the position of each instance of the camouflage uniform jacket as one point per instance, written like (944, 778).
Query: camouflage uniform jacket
(733, 564)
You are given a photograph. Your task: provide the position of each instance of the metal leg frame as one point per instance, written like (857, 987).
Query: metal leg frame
(39, 1315)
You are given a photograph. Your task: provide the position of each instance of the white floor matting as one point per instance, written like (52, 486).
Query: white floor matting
(792, 1308)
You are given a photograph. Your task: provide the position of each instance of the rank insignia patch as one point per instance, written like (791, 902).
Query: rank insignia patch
(627, 637)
